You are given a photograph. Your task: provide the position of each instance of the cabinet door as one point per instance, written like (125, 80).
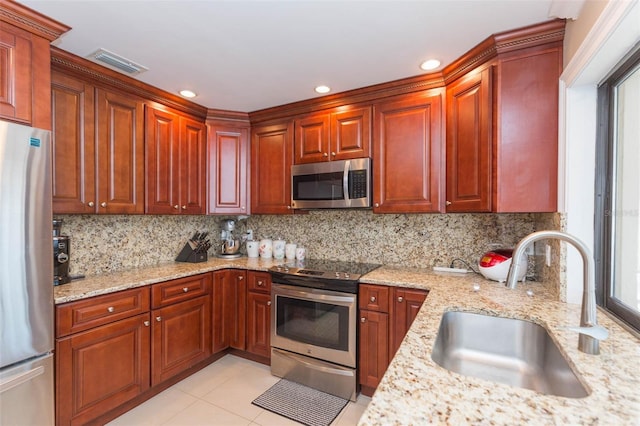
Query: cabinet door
(271, 152)
(162, 148)
(259, 323)
(181, 337)
(16, 78)
(374, 346)
(469, 138)
(227, 169)
(74, 169)
(100, 369)
(120, 153)
(405, 304)
(192, 172)
(236, 299)
(312, 139)
(351, 134)
(220, 338)
(408, 154)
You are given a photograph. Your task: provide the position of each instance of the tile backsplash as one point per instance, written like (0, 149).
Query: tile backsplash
(104, 243)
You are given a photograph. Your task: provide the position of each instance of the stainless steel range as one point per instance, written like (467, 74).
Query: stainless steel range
(313, 323)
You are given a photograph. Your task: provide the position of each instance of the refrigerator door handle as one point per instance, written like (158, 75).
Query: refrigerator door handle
(18, 379)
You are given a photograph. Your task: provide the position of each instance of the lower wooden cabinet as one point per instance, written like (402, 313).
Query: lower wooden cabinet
(229, 309)
(386, 313)
(181, 337)
(99, 369)
(259, 313)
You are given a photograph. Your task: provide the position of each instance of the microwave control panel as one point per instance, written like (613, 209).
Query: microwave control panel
(358, 184)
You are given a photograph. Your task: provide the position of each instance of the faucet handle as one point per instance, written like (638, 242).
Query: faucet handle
(595, 331)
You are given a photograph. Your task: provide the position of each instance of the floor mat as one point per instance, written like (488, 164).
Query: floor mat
(301, 403)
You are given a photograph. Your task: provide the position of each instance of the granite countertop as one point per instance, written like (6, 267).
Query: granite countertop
(415, 390)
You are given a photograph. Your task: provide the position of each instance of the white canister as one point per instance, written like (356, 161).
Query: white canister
(278, 248)
(290, 251)
(301, 253)
(253, 248)
(266, 248)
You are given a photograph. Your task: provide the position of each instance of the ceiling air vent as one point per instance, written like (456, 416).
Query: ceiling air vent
(117, 62)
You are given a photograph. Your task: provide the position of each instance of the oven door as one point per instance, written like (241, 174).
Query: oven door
(316, 323)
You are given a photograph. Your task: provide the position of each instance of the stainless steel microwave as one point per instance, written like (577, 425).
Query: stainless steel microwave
(332, 184)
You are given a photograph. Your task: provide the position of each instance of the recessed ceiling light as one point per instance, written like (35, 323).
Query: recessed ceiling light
(188, 93)
(430, 64)
(322, 89)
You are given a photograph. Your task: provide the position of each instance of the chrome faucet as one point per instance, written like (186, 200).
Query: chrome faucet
(590, 332)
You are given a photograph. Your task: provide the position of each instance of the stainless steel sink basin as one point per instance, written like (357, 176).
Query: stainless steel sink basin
(515, 352)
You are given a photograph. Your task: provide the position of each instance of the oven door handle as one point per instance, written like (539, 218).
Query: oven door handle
(284, 290)
(345, 182)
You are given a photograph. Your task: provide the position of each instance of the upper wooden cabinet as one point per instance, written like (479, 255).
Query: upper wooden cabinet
(469, 130)
(175, 163)
(408, 153)
(271, 159)
(338, 135)
(25, 72)
(227, 168)
(98, 149)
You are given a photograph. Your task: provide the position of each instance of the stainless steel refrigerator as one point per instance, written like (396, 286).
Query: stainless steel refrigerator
(26, 277)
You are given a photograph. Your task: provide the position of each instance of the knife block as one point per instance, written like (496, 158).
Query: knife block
(189, 255)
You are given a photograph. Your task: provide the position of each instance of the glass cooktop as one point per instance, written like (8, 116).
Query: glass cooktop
(322, 268)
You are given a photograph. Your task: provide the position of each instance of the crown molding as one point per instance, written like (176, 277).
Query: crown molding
(29, 20)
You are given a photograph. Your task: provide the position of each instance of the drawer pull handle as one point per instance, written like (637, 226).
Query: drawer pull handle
(110, 309)
(269, 303)
(373, 299)
(185, 289)
(146, 323)
(400, 299)
(363, 319)
(158, 319)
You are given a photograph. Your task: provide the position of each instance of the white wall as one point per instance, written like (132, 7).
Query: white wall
(612, 35)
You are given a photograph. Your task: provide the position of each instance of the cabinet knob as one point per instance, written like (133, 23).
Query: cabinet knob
(376, 205)
(324, 154)
(158, 319)
(242, 207)
(240, 278)
(103, 204)
(373, 299)
(363, 319)
(176, 207)
(333, 154)
(185, 289)
(400, 299)
(260, 283)
(184, 207)
(146, 323)
(91, 204)
(288, 207)
(448, 203)
(110, 309)
(269, 303)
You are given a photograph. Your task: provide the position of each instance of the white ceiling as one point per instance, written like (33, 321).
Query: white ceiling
(249, 55)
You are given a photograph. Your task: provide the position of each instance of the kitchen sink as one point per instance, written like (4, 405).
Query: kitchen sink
(506, 350)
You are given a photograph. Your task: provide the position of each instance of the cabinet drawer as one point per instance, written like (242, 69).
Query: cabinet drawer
(89, 313)
(373, 297)
(259, 281)
(174, 291)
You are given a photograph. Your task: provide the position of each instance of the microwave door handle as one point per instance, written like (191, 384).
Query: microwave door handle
(345, 182)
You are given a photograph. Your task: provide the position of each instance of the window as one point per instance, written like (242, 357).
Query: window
(617, 214)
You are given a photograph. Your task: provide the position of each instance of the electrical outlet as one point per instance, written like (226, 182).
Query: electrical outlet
(547, 255)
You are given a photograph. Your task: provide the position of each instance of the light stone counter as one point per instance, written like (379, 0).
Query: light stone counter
(96, 285)
(416, 391)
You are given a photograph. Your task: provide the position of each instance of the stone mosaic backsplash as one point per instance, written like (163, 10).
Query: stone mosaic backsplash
(107, 243)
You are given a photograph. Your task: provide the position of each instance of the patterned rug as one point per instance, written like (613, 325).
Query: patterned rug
(301, 403)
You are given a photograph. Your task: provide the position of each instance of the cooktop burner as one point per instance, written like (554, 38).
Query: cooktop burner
(324, 274)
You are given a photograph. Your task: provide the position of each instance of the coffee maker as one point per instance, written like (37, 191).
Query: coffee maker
(60, 255)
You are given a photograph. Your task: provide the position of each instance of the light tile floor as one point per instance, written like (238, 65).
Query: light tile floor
(221, 394)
